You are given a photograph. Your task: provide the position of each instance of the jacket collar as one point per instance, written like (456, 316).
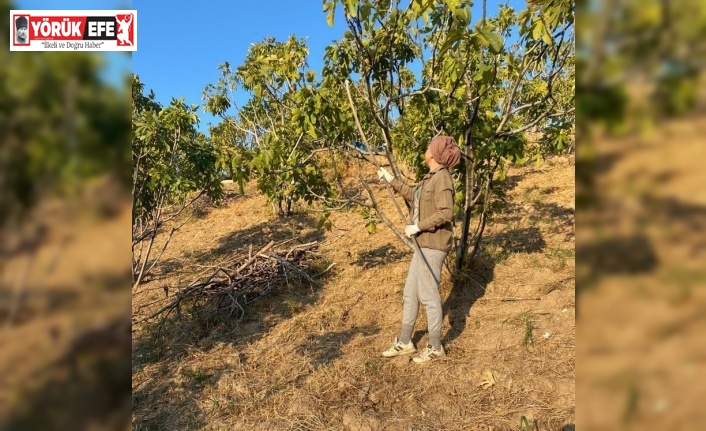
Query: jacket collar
(430, 174)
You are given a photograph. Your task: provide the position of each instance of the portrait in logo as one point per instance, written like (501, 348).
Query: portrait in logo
(22, 30)
(125, 29)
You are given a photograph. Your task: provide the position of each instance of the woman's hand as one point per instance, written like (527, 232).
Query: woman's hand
(382, 173)
(411, 229)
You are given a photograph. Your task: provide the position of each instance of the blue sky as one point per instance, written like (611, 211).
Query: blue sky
(181, 45)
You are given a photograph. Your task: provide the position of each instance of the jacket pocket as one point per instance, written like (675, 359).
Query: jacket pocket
(427, 196)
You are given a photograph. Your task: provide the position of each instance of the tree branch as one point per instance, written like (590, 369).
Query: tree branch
(379, 211)
(300, 164)
(520, 77)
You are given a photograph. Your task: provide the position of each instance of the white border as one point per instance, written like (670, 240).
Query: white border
(39, 46)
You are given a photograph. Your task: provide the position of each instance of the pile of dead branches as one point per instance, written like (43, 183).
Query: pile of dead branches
(247, 278)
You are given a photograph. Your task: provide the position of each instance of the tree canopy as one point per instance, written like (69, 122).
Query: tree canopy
(402, 73)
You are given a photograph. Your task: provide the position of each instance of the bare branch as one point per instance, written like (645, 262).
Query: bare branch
(542, 116)
(520, 77)
(158, 221)
(527, 106)
(387, 185)
(301, 135)
(300, 164)
(484, 214)
(138, 280)
(412, 93)
(169, 238)
(343, 203)
(379, 211)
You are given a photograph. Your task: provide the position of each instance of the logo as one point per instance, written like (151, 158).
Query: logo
(73, 30)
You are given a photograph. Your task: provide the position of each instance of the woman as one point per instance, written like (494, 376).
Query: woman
(432, 203)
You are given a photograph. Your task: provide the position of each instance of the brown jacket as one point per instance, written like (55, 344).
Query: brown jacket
(435, 208)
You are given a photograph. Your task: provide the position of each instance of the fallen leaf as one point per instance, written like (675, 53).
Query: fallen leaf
(488, 381)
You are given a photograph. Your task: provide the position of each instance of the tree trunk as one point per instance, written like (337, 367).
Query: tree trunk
(468, 212)
(144, 261)
(468, 204)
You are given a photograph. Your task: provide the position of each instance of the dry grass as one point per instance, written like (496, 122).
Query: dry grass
(58, 372)
(642, 278)
(309, 358)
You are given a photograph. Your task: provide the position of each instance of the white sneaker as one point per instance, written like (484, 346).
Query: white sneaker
(399, 349)
(428, 354)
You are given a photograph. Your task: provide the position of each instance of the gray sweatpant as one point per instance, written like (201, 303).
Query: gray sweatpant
(421, 288)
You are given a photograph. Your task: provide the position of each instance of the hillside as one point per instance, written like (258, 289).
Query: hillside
(641, 281)
(308, 357)
(64, 310)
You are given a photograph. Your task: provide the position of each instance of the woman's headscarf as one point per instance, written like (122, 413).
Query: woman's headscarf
(445, 151)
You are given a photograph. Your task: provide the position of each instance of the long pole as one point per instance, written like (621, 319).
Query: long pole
(387, 185)
(414, 239)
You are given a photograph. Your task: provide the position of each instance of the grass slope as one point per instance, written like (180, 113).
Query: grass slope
(308, 357)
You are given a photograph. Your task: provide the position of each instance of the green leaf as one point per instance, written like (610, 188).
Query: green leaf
(463, 16)
(312, 131)
(561, 141)
(364, 11)
(371, 227)
(524, 424)
(452, 4)
(494, 40)
(322, 221)
(330, 15)
(451, 38)
(350, 7)
(536, 30)
(546, 37)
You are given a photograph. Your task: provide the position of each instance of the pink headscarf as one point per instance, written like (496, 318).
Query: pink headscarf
(445, 151)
